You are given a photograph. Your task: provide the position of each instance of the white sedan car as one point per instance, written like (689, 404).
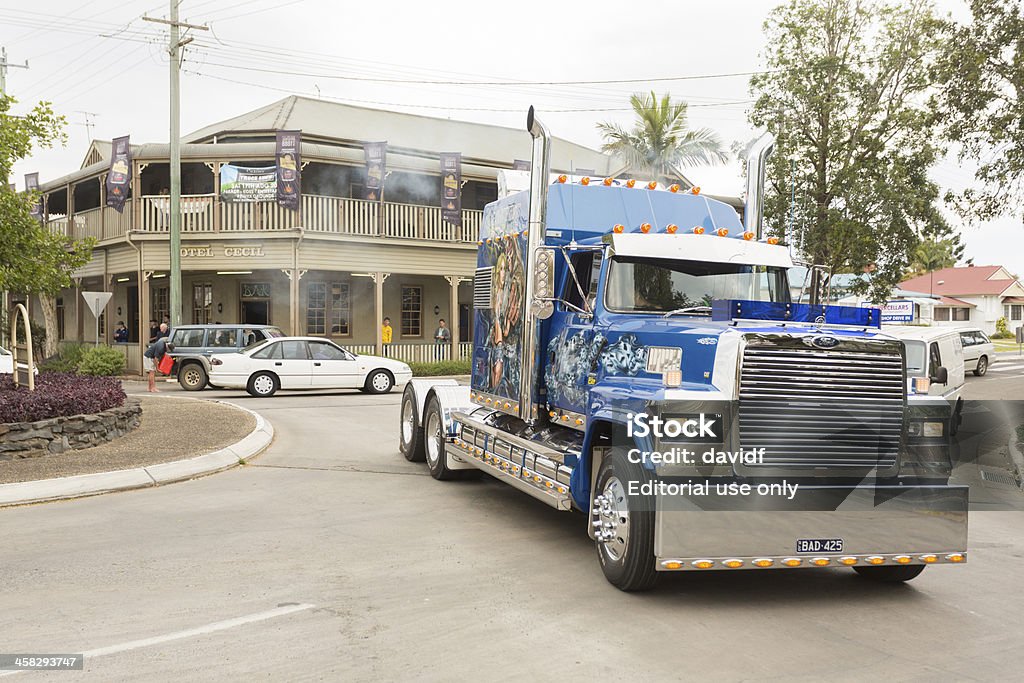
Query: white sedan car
(6, 362)
(304, 363)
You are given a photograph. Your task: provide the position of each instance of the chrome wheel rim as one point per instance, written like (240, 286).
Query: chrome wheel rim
(380, 381)
(433, 438)
(407, 425)
(611, 519)
(263, 384)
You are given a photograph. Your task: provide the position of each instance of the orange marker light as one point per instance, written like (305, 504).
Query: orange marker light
(698, 230)
(653, 185)
(671, 228)
(584, 180)
(619, 227)
(630, 183)
(722, 232)
(748, 236)
(773, 240)
(645, 228)
(673, 188)
(695, 189)
(562, 178)
(607, 181)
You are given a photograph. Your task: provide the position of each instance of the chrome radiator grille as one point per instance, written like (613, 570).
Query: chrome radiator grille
(811, 408)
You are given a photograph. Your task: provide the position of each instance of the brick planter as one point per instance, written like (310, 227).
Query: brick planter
(59, 434)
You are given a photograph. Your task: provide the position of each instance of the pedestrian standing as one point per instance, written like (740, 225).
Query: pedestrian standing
(121, 333)
(154, 331)
(386, 333)
(165, 327)
(442, 336)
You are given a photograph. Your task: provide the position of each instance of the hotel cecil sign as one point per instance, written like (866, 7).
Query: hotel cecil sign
(207, 251)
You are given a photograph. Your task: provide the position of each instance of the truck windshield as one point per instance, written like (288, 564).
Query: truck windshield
(647, 285)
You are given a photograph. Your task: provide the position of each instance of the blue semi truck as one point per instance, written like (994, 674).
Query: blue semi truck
(637, 357)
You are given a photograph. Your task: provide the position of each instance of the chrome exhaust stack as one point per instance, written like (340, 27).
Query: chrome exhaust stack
(757, 161)
(539, 174)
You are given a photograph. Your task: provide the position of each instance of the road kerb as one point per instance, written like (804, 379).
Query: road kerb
(81, 485)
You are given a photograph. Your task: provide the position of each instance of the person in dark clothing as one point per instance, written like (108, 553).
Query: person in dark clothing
(121, 333)
(165, 327)
(152, 357)
(154, 331)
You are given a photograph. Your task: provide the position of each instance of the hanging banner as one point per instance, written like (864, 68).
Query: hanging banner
(520, 165)
(289, 168)
(376, 160)
(32, 185)
(451, 188)
(248, 183)
(120, 174)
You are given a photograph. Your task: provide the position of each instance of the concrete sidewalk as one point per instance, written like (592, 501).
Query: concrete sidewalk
(23, 493)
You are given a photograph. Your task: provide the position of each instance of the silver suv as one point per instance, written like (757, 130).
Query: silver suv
(979, 352)
(194, 344)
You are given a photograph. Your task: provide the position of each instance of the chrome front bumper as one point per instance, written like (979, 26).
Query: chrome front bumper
(913, 525)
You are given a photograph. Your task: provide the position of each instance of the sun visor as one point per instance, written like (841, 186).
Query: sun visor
(701, 248)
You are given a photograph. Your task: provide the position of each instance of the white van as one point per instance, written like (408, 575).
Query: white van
(979, 352)
(935, 359)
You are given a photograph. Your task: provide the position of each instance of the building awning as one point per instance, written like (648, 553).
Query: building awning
(950, 301)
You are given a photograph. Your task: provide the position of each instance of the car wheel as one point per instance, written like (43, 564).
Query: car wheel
(409, 430)
(379, 382)
(192, 377)
(262, 385)
(982, 366)
(890, 574)
(624, 525)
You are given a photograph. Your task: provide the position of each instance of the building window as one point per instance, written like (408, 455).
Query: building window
(60, 318)
(202, 303)
(316, 308)
(161, 303)
(961, 313)
(341, 309)
(412, 311)
(1013, 311)
(941, 314)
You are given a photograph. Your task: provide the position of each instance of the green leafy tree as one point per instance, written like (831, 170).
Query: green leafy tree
(844, 91)
(932, 255)
(982, 100)
(33, 260)
(661, 143)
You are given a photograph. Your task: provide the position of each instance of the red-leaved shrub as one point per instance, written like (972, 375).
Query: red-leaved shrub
(58, 394)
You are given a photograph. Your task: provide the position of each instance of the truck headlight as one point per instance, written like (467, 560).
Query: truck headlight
(928, 429)
(663, 359)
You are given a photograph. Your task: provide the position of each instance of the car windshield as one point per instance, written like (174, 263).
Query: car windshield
(645, 285)
(915, 357)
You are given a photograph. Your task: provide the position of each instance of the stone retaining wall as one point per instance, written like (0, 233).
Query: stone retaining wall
(59, 434)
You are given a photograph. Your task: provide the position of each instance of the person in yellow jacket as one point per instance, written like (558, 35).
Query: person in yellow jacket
(385, 335)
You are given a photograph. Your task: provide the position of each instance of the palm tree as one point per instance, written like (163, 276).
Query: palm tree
(932, 255)
(660, 142)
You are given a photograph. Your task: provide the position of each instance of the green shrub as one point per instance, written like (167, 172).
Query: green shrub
(102, 361)
(69, 355)
(445, 367)
(1002, 330)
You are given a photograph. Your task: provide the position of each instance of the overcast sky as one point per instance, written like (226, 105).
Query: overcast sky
(259, 51)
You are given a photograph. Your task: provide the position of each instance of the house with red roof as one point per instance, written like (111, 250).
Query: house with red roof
(972, 296)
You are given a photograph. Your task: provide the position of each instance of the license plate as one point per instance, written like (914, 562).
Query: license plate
(819, 545)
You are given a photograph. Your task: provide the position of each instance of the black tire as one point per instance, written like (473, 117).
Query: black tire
(890, 574)
(627, 559)
(410, 430)
(434, 443)
(379, 382)
(193, 377)
(260, 388)
(982, 367)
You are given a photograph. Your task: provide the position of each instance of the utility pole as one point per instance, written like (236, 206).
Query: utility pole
(175, 144)
(4, 65)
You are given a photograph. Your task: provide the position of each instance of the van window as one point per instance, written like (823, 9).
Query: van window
(188, 338)
(968, 339)
(915, 358)
(934, 359)
(223, 338)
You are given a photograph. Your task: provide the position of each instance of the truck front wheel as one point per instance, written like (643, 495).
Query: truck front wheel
(624, 525)
(894, 574)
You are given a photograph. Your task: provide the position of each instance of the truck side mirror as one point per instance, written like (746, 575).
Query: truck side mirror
(941, 376)
(543, 306)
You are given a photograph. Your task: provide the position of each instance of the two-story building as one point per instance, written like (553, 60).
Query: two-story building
(336, 267)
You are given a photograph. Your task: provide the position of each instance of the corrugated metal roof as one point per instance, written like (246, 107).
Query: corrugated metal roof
(962, 281)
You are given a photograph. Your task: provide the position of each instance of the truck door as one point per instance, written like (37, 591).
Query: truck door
(574, 346)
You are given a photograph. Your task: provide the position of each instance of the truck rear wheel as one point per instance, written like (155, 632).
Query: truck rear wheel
(434, 442)
(624, 525)
(410, 431)
(893, 574)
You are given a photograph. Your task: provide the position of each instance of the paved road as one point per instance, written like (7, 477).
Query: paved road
(332, 558)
